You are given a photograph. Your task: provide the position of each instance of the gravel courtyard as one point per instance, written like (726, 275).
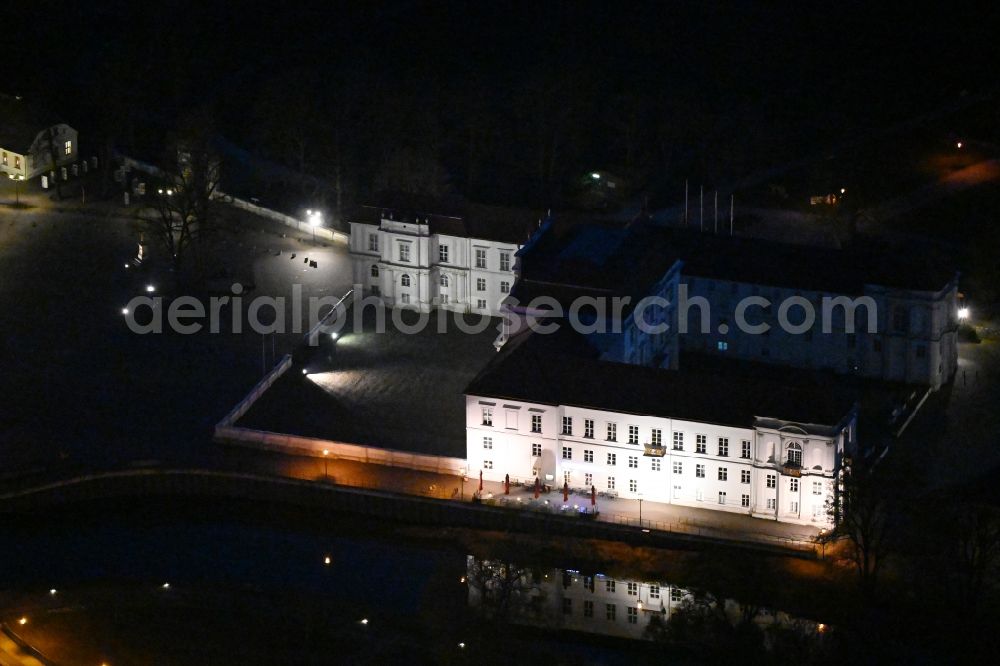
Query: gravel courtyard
(390, 389)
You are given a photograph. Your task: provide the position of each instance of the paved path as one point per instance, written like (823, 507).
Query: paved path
(655, 515)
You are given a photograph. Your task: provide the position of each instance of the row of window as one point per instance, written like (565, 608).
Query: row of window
(404, 249)
(406, 281)
(610, 610)
(655, 438)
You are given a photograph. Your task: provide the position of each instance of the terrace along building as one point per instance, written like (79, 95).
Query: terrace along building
(904, 325)
(748, 438)
(29, 138)
(460, 260)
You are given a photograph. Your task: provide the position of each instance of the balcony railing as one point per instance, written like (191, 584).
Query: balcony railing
(657, 450)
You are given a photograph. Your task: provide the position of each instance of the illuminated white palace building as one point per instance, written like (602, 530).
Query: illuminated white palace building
(724, 436)
(460, 260)
(720, 419)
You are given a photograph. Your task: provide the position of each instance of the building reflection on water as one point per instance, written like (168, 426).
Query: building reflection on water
(564, 599)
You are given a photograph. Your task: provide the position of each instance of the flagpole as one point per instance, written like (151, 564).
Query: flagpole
(701, 208)
(685, 202)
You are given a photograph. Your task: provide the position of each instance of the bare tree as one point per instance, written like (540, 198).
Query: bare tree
(183, 201)
(862, 517)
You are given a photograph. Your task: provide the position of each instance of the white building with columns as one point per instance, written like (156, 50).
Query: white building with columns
(461, 260)
(718, 435)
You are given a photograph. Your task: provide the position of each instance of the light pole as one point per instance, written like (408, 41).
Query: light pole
(17, 187)
(315, 219)
(326, 465)
(640, 509)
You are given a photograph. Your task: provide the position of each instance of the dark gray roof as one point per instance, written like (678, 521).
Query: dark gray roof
(20, 123)
(621, 259)
(453, 217)
(563, 369)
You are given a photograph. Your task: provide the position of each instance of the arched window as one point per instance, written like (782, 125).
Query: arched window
(405, 280)
(795, 454)
(444, 280)
(374, 271)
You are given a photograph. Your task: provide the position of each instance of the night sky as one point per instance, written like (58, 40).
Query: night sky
(510, 101)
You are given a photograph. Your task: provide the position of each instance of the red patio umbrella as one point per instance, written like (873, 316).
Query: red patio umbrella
(565, 491)
(506, 484)
(536, 487)
(480, 480)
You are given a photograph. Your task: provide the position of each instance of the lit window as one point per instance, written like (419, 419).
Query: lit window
(68, 148)
(722, 345)
(794, 454)
(633, 434)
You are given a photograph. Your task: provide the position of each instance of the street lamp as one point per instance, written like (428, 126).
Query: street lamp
(315, 219)
(963, 313)
(17, 187)
(326, 462)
